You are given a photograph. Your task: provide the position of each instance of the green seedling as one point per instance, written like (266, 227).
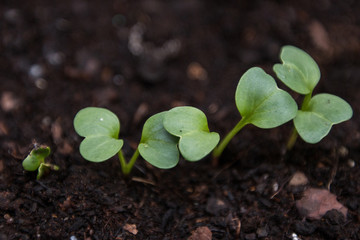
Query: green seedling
(261, 103)
(317, 114)
(165, 136)
(36, 161)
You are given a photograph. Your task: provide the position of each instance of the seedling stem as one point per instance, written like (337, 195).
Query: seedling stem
(294, 134)
(305, 103)
(127, 166)
(220, 148)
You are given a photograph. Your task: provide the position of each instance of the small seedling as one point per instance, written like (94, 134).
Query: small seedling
(166, 135)
(261, 103)
(184, 130)
(317, 114)
(36, 161)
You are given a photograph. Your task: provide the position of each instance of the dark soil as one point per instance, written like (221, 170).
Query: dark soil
(57, 57)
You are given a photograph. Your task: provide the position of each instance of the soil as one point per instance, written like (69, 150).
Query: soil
(138, 58)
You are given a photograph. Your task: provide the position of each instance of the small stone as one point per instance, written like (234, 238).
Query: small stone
(46, 122)
(298, 179)
(131, 228)
(56, 131)
(196, 72)
(201, 233)
(9, 101)
(316, 202)
(92, 66)
(41, 83)
(55, 58)
(213, 108)
(294, 236)
(8, 218)
(36, 71)
(215, 206)
(351, 163)
(275, 187)
(343, 151)
(66, 204)
(320, 36)
(135, 44)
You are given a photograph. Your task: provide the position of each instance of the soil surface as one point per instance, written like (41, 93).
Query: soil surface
(138, 58)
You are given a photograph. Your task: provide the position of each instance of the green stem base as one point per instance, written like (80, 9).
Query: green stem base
(220, 148)
(126, 167)
(292, 139)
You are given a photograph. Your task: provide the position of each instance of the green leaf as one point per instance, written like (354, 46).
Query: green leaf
(101, 128)
(92, 121)
(35, 158)
(190, 124)
(298, 70)
(99, 148)
(157, 146)
(261, 102)
(323, 111)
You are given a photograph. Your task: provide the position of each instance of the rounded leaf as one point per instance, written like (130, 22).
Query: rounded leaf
(157, 146)
(323, 111)
(35, 158)
(261, 102)
(190, 124)
(100, 148)
(298, 70)
(101, 128)
(96, 121)
(195, 146)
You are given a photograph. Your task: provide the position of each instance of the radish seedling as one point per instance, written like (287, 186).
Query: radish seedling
(261, 103)
(36, 161)
(166, 135)
(317, 114)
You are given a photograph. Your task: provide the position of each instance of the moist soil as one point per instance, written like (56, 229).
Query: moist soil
(138, 58)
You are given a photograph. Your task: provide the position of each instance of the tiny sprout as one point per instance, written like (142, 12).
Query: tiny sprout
(36, 161)
(166, 135)
(261, 103)
(314, 120)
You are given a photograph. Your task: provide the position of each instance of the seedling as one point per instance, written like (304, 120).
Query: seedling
(317, 114)
(184, 130)
(36, 161)
(261, 103)
(166, 135)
